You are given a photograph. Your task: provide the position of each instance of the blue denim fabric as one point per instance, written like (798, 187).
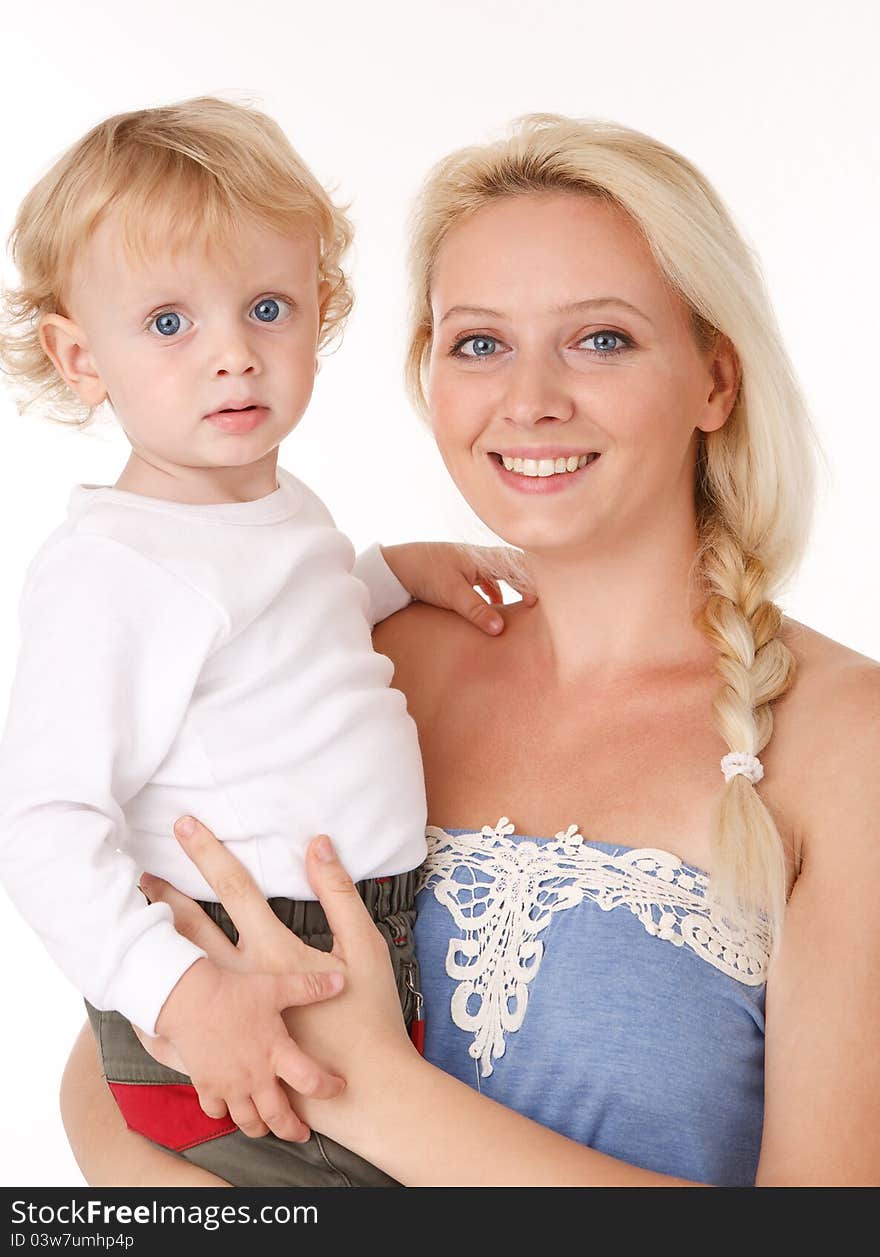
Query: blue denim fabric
(630, 1044)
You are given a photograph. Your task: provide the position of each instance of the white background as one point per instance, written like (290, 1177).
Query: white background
(777, 103)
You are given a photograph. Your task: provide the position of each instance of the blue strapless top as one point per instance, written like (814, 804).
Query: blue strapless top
(592, 988)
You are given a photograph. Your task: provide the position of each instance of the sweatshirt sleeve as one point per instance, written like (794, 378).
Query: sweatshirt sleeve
(387, 595)
(112, 646)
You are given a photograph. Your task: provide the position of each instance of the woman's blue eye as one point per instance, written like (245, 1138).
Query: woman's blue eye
(481, 346)
(269, 309)
(169, 323)
(605, 342)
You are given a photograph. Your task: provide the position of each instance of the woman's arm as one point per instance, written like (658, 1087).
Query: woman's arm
(425, 1128)
(822, 1075)
(106, 1151)
(402, 1104)
(406, 1116)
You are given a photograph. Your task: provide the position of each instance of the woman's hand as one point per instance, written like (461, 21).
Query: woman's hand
(418, 1124)
(365, 1019)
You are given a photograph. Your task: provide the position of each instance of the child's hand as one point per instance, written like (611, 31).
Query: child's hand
(445, 575)
(225, 1030)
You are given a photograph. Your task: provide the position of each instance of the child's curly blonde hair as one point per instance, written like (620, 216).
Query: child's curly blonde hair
(190, 170)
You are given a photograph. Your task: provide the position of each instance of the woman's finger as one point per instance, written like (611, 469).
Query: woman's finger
(189, 919)
(354, 933)
(227, 877)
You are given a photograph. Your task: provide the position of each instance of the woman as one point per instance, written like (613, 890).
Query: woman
(610, 394)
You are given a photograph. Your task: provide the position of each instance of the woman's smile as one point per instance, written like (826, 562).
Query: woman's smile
(541, 470)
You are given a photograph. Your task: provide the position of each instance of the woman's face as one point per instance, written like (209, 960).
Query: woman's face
(556, 338)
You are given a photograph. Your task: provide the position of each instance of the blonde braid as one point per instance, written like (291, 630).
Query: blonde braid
(757, 668)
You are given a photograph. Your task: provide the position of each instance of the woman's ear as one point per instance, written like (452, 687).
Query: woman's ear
(726, 375)
(65, 343)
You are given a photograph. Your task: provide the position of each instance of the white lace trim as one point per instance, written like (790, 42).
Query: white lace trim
(519, 884)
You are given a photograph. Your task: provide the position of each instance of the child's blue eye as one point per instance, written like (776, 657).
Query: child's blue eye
(169, 323)
(270, 309)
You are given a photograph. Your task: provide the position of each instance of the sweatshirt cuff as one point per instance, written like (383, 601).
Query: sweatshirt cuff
(148, 973)
(387, 595)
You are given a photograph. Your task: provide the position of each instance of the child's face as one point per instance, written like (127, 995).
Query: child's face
(208, 359)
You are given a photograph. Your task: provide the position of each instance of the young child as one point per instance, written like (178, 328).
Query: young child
(194, 639)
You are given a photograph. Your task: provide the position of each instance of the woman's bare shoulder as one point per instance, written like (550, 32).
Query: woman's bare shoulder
(435, 650)
(423, 643)
(833, 682)
(828, 730)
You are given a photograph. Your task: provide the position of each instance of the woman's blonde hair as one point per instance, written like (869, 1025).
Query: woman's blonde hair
(188, 171)
(754, 477)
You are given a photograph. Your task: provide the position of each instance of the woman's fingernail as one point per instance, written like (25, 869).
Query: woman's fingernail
(335, 982)
(324, 849)
(496, 624)
(145, 882)
(185, 827)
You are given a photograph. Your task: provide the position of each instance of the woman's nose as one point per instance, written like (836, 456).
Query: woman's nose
(535, 391)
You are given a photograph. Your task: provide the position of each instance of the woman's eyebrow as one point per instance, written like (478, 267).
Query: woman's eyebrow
(577, 307)
(574, 307)
(492, 314)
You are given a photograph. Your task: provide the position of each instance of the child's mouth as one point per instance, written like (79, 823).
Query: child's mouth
(238, 419)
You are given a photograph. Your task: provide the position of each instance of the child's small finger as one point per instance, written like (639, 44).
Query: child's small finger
(491, 590)
(247, 1119)
(304, 1075)
(276, 1111)
(470, 606)
(212, 1105)
(525, 591)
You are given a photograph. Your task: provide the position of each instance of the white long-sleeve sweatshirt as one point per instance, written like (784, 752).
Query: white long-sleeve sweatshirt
(213, 660)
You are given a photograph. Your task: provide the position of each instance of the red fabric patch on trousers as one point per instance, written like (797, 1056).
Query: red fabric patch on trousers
(169, 1114)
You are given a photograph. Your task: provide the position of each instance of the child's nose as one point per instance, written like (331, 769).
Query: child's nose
(234, 354)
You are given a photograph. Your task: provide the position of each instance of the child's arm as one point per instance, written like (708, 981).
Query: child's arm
(112, 648)
(442, 574)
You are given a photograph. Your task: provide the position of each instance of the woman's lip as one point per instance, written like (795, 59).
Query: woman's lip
(543, 451)
(238, 421)
(540, 484)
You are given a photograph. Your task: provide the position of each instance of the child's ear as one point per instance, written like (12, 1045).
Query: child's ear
(324, 291)
(65, 343)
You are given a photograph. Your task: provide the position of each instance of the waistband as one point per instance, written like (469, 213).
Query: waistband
(385, 899)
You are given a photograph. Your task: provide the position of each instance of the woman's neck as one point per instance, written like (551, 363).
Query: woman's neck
(610, 612)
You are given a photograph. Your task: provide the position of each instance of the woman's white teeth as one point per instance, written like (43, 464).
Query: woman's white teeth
(546, 466)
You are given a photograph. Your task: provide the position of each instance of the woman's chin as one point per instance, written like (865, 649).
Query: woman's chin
(560, 538)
